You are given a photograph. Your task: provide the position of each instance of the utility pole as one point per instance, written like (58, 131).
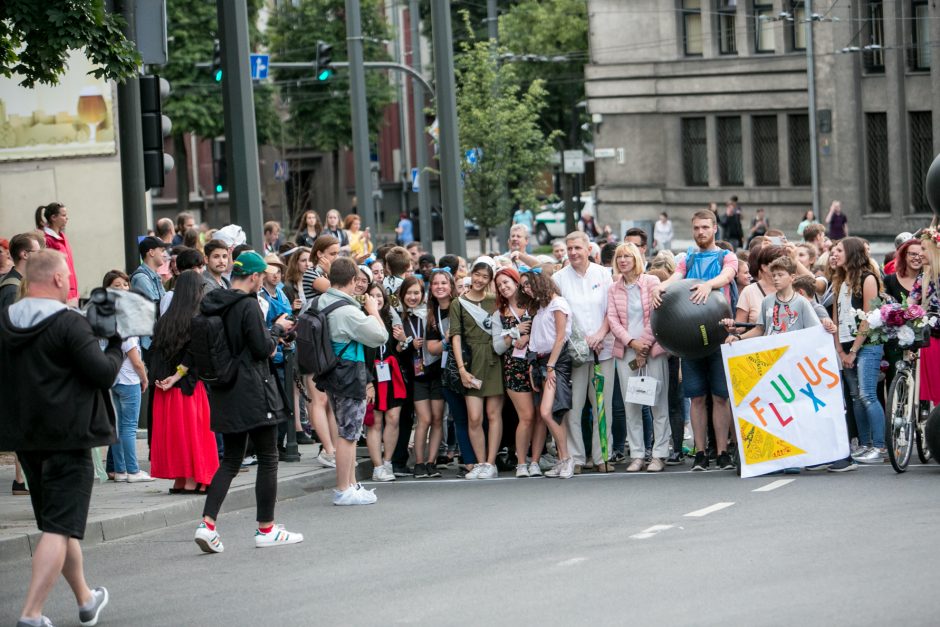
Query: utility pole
(811, 79)
(492, 30)
(360, 121)
(133, 194)
(241, 143)
(451, 189)
(425, 225)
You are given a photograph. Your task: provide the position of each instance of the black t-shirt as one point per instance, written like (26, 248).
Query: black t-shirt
(894, 289)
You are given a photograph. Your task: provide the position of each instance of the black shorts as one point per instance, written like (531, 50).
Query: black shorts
(428, 389)
(60, 485)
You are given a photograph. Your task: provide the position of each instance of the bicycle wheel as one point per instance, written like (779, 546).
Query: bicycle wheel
(899, 420)
(923, 453)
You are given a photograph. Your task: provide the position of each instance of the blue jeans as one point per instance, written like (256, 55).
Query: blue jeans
(127, 407)
(458, 411)
(862, 381)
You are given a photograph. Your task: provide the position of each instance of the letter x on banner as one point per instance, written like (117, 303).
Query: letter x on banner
(786, 399)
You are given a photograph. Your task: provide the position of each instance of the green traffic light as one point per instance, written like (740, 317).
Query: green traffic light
(324, 74)
(218, 76)
(218, 189)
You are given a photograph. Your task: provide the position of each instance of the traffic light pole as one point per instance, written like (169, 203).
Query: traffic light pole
(425, 225)
(360, 118)
(241, 145)
(455, 237)
(130, 137)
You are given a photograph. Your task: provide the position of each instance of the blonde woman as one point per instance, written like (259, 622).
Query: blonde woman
(360, 242)
(636, 352)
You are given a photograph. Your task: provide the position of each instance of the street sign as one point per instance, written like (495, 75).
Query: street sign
(605, 153)
(280, 171)
(415, 178)
(473, 156)
(573, 161)
(259, 66)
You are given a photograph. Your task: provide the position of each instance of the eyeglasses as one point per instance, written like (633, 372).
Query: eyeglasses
(914, 256)
(527, 270)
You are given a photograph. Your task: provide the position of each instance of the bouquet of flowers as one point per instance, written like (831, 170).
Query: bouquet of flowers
(895, 322)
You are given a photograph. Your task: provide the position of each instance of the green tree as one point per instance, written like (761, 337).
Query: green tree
(36, 36)
(499, 121)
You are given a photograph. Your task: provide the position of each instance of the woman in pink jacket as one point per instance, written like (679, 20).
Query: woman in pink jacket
(637, 353)
(56, 216)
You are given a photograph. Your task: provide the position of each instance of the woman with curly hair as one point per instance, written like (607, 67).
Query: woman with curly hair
(855, 287)
(298, 262)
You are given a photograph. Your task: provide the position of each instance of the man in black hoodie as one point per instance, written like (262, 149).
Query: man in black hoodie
(54, 382)
(250, 407)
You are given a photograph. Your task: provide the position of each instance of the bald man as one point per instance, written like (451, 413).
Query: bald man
(54, 382)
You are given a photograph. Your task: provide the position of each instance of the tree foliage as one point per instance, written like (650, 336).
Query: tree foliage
(499, 120)
(36, 36)
(319, 110)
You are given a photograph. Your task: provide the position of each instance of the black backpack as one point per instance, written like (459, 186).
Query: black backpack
(212, 355)
(315, 354)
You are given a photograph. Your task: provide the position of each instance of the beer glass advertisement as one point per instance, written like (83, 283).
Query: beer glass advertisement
(72, 119)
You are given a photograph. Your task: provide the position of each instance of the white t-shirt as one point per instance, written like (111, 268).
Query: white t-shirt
(127, 375)
(589, 292)
(542, 336)
(634, 310)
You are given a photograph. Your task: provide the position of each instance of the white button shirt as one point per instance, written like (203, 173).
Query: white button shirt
(587, 295)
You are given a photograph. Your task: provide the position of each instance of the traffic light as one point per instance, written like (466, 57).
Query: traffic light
(154, 126)
(219, 166)
(322, 67)
(217, 62)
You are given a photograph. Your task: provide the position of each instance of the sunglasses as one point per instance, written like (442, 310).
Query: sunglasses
(527, 270)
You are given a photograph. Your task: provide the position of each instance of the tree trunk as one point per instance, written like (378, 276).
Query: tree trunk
(182, 172)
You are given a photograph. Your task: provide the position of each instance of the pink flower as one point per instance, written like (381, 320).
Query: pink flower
(895, 317)
(914, 312)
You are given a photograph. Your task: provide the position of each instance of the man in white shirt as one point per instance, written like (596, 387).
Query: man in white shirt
(584, 284)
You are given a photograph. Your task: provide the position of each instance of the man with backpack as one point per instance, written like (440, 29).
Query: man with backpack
(330, 340)
(717, 268)
(231, 349)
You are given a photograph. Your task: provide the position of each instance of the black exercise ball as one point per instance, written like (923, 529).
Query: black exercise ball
(932, 433)
(933, 186)
(686, 329)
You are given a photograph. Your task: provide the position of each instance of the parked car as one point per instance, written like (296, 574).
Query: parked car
(550, 220)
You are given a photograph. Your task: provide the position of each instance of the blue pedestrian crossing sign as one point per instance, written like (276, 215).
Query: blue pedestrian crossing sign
(280, 171)
(259, 66)
(415, 180)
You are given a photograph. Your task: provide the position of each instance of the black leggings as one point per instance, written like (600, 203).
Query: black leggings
(265, 443)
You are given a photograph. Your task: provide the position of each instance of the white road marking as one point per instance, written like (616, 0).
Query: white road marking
(649, 532)
(708, 510)
(572, 561)
(779, 483)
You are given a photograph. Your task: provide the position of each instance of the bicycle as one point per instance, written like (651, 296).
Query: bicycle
(906, 415)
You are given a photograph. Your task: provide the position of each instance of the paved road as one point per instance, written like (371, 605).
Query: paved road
(670, 549)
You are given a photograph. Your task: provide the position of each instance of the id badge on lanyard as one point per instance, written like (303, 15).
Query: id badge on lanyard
(383, 373)
(418, 362)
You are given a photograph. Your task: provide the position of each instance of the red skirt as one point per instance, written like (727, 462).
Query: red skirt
(182, 446)
(930, 372)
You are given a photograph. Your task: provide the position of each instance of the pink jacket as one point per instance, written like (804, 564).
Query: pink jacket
(618, 318)
(57, 241)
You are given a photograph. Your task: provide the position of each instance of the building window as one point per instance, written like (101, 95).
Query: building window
(694, 151)
(798, 25)
(920, 35)
(921, 123)
(766, 150)
(692, 27)
(764, 27)
(874, 27)
(730, 162)
(727, 10)
(876, 153)
(799, 150)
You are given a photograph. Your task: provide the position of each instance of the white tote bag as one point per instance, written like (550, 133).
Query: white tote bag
(642, 389)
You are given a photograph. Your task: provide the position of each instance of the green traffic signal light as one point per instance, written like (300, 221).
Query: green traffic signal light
(218, 75)
(324, 74)
(218, 188)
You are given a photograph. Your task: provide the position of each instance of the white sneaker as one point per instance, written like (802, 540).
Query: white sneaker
(325, 459)
(120, 477)
(475, 473)
(208, 540)
(555, 470)
(354, 496)
(276, 537)
(567, 469)
(534, 470)
(139, 477)
(383, 473)
(871, 456)
(858, 451)
(489, 472)
(522, 471)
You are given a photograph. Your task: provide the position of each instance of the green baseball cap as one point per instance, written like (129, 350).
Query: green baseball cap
(249, 262)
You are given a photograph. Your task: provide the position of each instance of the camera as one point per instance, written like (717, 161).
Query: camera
(101, 313)
(278, 333)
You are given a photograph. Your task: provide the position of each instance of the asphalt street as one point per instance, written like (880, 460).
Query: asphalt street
(671, 549)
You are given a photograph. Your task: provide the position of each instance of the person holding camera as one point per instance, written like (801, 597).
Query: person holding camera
(53, 426)
(249, 407)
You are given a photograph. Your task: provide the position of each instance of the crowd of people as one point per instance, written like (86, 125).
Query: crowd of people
(467, 366)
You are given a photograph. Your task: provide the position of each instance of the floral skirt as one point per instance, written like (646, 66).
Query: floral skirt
(516, 374)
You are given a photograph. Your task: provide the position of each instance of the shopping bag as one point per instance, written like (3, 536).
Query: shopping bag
(642, 390)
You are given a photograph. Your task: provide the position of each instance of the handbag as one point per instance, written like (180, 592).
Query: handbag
(642, 389)
(451, 376)
(578, 347)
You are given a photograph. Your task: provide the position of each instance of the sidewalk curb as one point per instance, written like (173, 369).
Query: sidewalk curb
(185, 509)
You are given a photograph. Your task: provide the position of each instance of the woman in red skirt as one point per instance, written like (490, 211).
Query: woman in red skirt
(182, 446)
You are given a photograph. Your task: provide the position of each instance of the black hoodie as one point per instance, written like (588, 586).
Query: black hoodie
(252, 399)
(54, 382)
